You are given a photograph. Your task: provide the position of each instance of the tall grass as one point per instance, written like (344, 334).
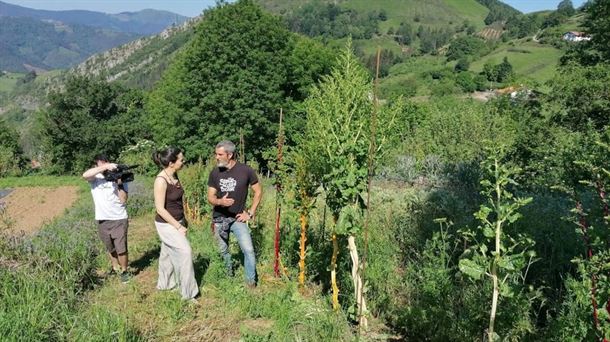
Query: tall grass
(43, 279)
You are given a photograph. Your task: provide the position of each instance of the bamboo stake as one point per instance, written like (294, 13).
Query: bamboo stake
(333, 272)
(278, 205)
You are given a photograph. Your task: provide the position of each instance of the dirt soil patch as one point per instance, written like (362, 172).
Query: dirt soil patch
(28, 208)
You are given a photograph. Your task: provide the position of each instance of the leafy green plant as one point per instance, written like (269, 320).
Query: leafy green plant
(507, 262)
(339, 123)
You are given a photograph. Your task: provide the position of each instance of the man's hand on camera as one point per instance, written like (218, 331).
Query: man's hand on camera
(225, 201)
(110, 166)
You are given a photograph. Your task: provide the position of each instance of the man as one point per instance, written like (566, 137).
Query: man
(110, 200)
(227, 191)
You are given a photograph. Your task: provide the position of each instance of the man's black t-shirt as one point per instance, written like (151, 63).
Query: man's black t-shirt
(235, 182)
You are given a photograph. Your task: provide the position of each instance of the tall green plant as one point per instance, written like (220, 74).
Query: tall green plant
(339, 127)
(504, 259)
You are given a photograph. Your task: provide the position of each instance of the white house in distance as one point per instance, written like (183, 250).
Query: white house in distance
(575, 36)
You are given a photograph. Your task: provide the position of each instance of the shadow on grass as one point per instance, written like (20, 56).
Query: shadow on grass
(201, 264)
(145, 260)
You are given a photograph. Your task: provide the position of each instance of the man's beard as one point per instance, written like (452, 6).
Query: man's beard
(223, 164)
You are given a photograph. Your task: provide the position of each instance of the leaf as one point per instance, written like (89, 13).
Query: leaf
(507, 264)
(488, 232)
(471, 269)
(506, 290)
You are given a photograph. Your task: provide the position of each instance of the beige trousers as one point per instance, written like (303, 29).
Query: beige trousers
(176, 262)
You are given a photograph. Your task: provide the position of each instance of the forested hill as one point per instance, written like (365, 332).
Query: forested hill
(143, 22)
(42, 40)
(32, 44)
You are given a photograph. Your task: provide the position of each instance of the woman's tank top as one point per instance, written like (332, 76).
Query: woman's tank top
(173, 201)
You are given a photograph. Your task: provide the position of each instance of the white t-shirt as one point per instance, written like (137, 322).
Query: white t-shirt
(105, 194)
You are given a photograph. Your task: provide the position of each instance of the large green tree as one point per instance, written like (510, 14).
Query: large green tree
(597, 24)
(242, 66)
(89, 116)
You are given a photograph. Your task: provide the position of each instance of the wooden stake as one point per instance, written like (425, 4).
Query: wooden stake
(278, 192)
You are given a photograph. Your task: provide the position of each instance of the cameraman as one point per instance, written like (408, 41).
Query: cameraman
(110, 213)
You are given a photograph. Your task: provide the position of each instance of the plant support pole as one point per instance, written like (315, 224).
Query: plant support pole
(333, 272)
(303, 221)
(278, 192)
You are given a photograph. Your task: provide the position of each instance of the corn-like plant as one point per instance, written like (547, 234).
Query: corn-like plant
(504, 259)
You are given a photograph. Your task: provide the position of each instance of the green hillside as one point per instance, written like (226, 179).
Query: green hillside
(529, 59)
(433, 13)
(8, 81)
(429, 12)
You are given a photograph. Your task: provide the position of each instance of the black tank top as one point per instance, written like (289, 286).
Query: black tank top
(173, 201)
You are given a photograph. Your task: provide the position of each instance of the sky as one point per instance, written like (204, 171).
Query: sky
(191, 8)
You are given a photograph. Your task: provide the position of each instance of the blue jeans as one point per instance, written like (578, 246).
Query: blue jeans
(242, 234)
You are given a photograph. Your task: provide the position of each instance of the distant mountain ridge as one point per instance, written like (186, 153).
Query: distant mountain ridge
(145, 22)
(31, 44)
(39, 40)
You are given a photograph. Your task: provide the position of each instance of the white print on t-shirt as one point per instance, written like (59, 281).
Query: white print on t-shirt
(228, 184)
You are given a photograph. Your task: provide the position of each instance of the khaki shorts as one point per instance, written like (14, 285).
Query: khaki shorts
(114, 235)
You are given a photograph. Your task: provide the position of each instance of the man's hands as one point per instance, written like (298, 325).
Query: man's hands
(182, 230)
(245, 216)
(110, 166)
(90, 174)
(225, 201)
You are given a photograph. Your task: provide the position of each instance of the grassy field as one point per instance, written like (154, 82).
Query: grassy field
(433, 13)
(9, 80)
(369, 46)
(11, 182)
(529, 59)
(411, 74)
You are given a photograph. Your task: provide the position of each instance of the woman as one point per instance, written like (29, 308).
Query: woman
(176, 259)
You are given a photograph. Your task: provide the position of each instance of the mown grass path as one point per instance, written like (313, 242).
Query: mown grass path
(227, 311)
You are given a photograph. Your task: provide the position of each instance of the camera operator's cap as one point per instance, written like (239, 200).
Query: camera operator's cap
(100, 157)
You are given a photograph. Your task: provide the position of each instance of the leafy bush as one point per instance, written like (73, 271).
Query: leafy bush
(88, 117)
(11, 157)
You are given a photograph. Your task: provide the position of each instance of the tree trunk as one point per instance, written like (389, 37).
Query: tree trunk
(358, 286)
(333, 272)
(303, 220)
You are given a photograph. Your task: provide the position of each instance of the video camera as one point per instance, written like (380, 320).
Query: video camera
(121, 172)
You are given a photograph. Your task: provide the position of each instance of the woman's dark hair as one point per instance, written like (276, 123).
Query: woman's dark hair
(166, 156)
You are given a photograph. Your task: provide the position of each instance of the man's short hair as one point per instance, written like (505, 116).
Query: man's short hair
(228, 146)
(100, 157)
